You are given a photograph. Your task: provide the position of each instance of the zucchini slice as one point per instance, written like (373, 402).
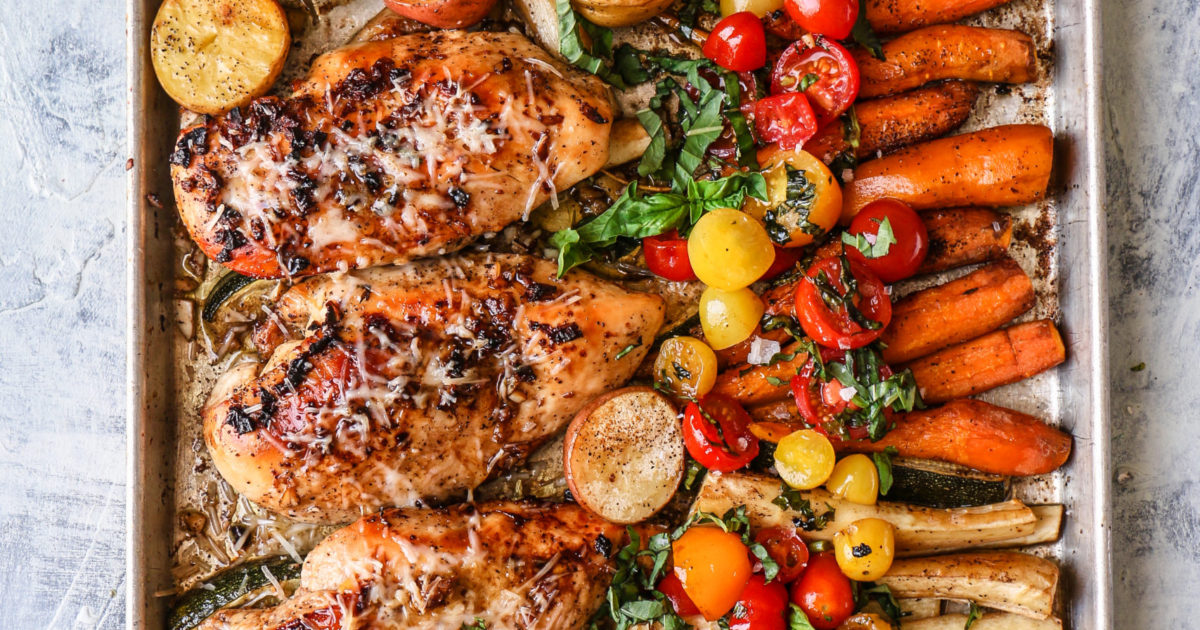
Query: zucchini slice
(231, 588)
(1005, 580)
(226, 287)
(944, 485)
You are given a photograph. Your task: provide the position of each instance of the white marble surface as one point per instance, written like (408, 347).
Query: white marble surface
(62, 108)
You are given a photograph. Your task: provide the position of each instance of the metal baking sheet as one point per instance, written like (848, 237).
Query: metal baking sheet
(1060, 242)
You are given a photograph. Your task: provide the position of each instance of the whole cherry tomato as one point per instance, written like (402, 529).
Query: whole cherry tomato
(836, 81)
(837, 327)
(716, 432)
(672, 588)
(667, 256)
(738, 43)
(912, 239)
(786, 119)
(763, 606)
(824, 593)
(785, 259)
(834, 18)
(713, 565)
(786, 548)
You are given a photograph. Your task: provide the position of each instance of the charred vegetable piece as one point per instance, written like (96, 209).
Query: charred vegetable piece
(231, 587)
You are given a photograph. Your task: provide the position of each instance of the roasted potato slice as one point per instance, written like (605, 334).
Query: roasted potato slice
(613, 13)
(214, 55)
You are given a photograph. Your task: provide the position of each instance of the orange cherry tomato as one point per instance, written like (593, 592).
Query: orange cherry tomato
(786, 548)
(713, 566)
(824, 593)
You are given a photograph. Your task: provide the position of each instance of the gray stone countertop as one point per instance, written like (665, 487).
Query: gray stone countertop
(62, 311)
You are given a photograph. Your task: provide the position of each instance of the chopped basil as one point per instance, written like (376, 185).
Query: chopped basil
(973, 616)
(806, 81)
(627, 349)
(792, 500)
(596, 58)
(883, 463)
(860, 370)
(864, 34)
(873, 246)
(797, 620)
(776, 381)
(478, 624)
(867, 592)
(792, 213)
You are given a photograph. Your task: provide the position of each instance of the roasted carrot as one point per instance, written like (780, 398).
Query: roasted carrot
(753, 384)
(964, 236)
(1001, 166)
(898, 16)
(889, 123)
(995, 359)
(950, 51)
(977, 303)
(738, 352)
(975, 434)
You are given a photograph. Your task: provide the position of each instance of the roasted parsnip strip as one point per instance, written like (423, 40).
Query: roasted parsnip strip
(1005, 580)
(989, 621)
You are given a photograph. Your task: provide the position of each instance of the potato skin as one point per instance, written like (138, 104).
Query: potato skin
(443, 13)
(615, 13)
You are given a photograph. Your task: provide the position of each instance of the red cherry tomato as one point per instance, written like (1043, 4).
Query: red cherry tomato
(820, 402)
(786, 548)
(834, 18)
(738, 43)
(763, 606)
(837, 328)
(716, 432)
(666, 256)
(912, 239)
(824, 592)
(781, 25)
(786, 119)
(672, 588)
(785, 259)
(837, 82)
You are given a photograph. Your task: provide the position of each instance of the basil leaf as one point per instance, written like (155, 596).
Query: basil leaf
(699, 132)
(595, 59)
(770, 567)
(864, 34)
(883, 463)
(656, 151)
(973, 616)
(797, 620)
(884, 238)
(628, 66)
(806, 81)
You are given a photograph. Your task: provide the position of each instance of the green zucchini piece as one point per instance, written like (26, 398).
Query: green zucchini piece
(226, 287)
(943, 485)
(231, 587)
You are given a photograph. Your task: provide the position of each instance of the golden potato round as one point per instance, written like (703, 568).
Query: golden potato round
(213, 55)
(614, 13)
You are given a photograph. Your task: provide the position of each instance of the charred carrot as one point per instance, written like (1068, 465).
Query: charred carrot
(761, 383)
(950, 51)
(1001, 166)
(977, 303)
(995, 359)
(898, 16)
(964, 236)
(893, 122)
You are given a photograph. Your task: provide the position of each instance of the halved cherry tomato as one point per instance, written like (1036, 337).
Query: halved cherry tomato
(837, 78)
(713, 565)
(667, 256)
(838, 328)
(912, 239)
(738, 43)
(820, 402)
(763, 606)
(716, 432)
(834, 18)
(786, 119)
(672, 588)
(785, 259)
(824, 593)
(786, 548)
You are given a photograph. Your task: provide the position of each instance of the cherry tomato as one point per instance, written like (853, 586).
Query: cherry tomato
(834, 18)
(786, 119)
(824, 593)
(785, 259)
(738, 43)
(781, 25)
(786, 548)
(763, 606)
(912, 239)
(716, 432)
(837, 79)
(713, 565)
(837, 328)
(672, 588)
(667, 256)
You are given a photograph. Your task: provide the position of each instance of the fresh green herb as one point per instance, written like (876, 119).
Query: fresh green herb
(734, 521)
(860, 370)
(1139, 367)
(692, 471)
(973, 616)
(627, 349)
(793, 500)
(883, 462)
(867, 592)
(797, 620)
(681, 372)
(596, 58)
(747, 156)
(792, 213)
(864, 34)
(806, 81)
(656, 151)
(478, 624)
(627, 64)
(852, 135)
(873, 246)
(803, 343)
(631, 598)
(776, 381)
(635, 216)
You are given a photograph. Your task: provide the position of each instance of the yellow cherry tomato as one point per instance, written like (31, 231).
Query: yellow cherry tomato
(729, 249)
(865, 549)
(686, 365)
(804, 199)
(714, 566)
(759, 8)
(804, 459)
(728, 317)
(866, 621)
(856, 479)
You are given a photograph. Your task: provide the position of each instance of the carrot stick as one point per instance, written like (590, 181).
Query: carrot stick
(737, 353)
(889, 123)
(977, 303)
(947, 52)
(1001, 166)
(975, 434)
(897, 16)
(995, 359)
(964, 236)
(752, 384)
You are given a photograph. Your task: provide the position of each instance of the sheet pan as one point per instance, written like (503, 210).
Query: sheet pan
(1062, 244)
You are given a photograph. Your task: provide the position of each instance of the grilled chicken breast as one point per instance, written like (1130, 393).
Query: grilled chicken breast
(391, 150)
(401, 384)
(511, 565)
